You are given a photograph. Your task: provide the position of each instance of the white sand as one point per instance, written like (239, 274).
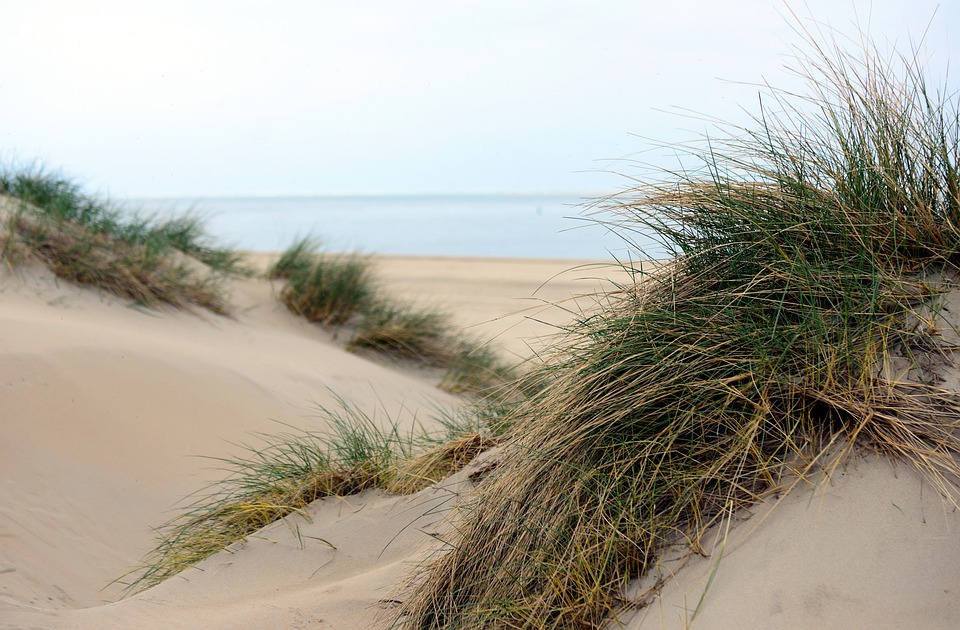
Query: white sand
(106, 407)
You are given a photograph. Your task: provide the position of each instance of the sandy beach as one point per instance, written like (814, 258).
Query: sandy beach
(110, 412)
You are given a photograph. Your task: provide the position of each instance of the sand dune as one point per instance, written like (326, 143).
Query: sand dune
(107, 408)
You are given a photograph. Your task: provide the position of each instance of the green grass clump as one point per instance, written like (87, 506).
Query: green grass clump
(297, 259)
(331, 290)
(289, 471)
(428, 337)
(338, 290)
(405, 331)
(804, 254)
(87, 241)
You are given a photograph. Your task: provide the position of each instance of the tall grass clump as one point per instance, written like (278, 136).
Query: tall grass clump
(406, 331)
(284, 473)
(299, 258)
(429, 338)
(804, 252)
(331, 290)
(85, 240)
(339, 290)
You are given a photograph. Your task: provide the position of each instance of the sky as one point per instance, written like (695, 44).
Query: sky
(184, 98)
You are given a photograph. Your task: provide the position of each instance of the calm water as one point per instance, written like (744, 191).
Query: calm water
(494, 226)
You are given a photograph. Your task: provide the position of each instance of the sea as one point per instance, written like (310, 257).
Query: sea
(492, 226)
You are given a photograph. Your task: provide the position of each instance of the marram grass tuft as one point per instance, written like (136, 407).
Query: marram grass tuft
(338, 291)
(802, 251)
(282, 474)
(87, 241)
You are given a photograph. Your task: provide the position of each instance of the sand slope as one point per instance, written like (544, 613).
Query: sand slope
(104, 406)
(107, 406)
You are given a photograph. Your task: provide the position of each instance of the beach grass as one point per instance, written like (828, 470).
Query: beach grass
(336, 290)
(297, 259)
(405, 331)
(428, 337)
(283, 473)
(87, 241)
(331, 290)
(805, 249)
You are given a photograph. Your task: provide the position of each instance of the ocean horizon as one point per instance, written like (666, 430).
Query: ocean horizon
(471, 225)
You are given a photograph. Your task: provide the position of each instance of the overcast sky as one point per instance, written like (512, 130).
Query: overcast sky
(314, 97)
